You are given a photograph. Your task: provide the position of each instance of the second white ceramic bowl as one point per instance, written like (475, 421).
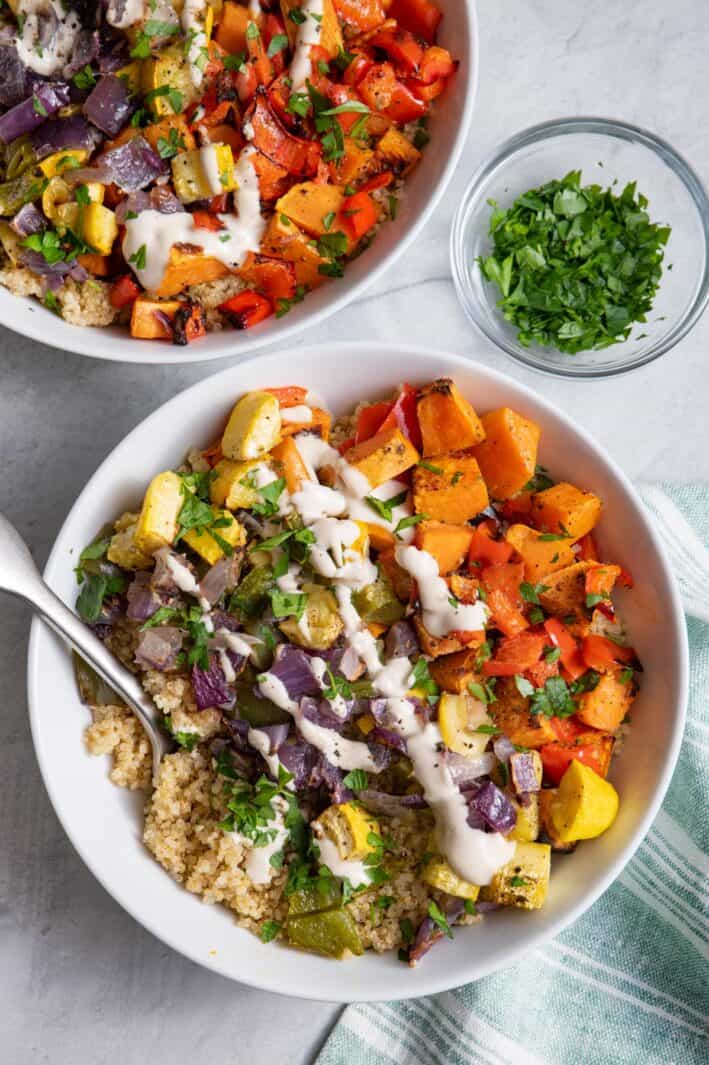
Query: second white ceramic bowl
(104, 822)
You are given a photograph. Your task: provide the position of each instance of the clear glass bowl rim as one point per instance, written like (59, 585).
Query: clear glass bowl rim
(565, 126)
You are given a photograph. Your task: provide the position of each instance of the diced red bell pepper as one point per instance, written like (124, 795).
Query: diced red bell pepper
(298, 156)
(587, 549)
(557, 757)
(345, 446)
(403, 415)
(401, 47)
(213, 454)
(601, 579)
(205, 220)
(602, 654)
(488, 552)
(501, 582)
(124, 292)
(421, 17)
(289, 395)
(246, 309)
(259, 59)
(566, 729)
(379, 181)
(275, 278)
(357, 69)
(515, 654)
(369, 420)
(425, 92)
(275, 27)
(625, 578)
(570, 652)
(540, 672)
(505, 616)
(404, 105)
(246, 83)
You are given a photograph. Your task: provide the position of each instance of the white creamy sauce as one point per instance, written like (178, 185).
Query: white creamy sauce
(255, 9)
(261, 742)
(258, 864)
(210, 168)
(351, 869)
(308, 34)
(299, 415)
(193, 16)
(241, 643)
(48, 35)
(156, 233)
(441, 614)
(332, 555)
(340, 752)
(226, 666)
(125, 13)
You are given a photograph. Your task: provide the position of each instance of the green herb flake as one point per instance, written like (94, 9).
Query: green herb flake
(269, 931)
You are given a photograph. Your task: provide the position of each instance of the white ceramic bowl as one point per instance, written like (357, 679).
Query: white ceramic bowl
(104, 822)
(424, 188)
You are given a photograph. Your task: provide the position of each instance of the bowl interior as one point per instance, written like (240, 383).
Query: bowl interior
(448, 129)
(104, 822)
(608, 154)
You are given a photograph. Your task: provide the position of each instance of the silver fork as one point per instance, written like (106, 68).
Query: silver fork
(20, 577)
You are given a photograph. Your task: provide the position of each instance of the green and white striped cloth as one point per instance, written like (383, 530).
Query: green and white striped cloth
(628, 983)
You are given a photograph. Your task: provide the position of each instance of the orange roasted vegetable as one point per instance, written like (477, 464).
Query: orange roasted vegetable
(540, 556)
(362, 15)
(319, 423)
(508, 455)
(515, 654)
(231, 31)
(246, 309)
(298, 156)
(187, 265)
(384, 456)
(563, 508)
(607, 705)
(294, 469)
(447, 543)
(448, 422)
(272, 276)
(284, 240)
(593, 749)
(450, 487)
(421, 17)
(359, 214)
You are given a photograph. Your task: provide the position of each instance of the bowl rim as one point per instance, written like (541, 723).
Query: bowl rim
(57, 562)
(95, 342)
(542, 131)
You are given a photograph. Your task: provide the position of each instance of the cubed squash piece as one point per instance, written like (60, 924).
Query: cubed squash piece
(58, 162)
(565, 591)
(171, 131)
(157, 523)
(397, 576)
(384, 456)
(459, 719)
(330, 39)
(524, 881)
(132, 76)
(231, 488)
(170, 68)
(98, 227)
(438, 874)
(540, 556)
(448, 544)
(319, 425)
(354, 163)
(253, 428)
(231, 31)
(606, 706)
(448, 422)
(396, 152)
(188, 266)
(585, 805)
(207, 547)
(201, 173)
(513, 716)
(310, 206)
(450, 487)
(563, 508)
(284, 240)
(320, 625)
(350, 827)
(508, 455)
(122, 550)
(147, 321)
(526, 829)
(455, 672)
(547, 830)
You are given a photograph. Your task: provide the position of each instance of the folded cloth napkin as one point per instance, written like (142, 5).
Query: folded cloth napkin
(628, 983)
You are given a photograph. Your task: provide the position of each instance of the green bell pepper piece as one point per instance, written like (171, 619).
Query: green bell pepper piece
(378, 603)
(258, 711)
(250, 597)
(332, 933)
(323, 895)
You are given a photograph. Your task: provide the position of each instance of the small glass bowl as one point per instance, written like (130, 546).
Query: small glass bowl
(607, 152)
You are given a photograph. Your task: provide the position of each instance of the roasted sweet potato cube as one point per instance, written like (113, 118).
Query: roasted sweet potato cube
(563, 508)
(150, 319)
(319, 425)
(454, 672)
(448, 422)
(463, 588)
(435, 646)
(605, 707)
(566, 590)
(448, 544)
(395, 152)
(171, 128)
(310, 205)
(540, 556)
(384, 456)
(354, 164)
(450, 487)
(188, 266)
(330, 38)
(397, 576)
(284, 240)
(512, 714)
(508, 455)
(231, 31)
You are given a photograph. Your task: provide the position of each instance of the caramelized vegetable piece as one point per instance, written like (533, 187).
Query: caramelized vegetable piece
(207, 547)
(253, 428)
(246, 309)
(438, 874)
(447, 543)
(187, 265)
(330, 38)
(332, 932)
(593, 749)
(384, 456)
(420, 17)
(309, 205)
(540, 556)
(565, 591)
(284, 240)
(173, 129)
(378, 603)
(513, 716)
(448, 422)
(397, 153)
(450, 487)
(459, 718)
(607, 705)
(563, 508)
(435, 646)
(231, 31)
(270, 275)
(508, 455)
(455, 672)
(584, 806)
(546, 826)
(524, 881)
(294, 469)
(362, 15)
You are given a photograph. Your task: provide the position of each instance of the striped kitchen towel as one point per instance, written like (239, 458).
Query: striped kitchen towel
(628, 982)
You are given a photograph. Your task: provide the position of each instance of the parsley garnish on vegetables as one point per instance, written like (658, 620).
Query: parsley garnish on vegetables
(483, 690)
(152, 28)
(84, 79)
(422, 679)
(438, 917)
(531, 592)
(356, 780)
(139, 258)
(407, 523)
(288, 604)
(337, 686)
(269, 931)
(576, 265)
(385, 507)
(553, 700)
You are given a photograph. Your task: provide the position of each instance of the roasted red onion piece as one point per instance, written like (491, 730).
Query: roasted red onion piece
(158, 648)
(132, 165)
(28, 220)
(466, 770)
(503, 749)
(382, 804)
(60, 134)
(13, 76)
(524, 777)
(222, 577)
(32, 112)
(108, 105)
(300, 760)
(388, 737)
(320, 713)
(143, 600)
(210, 686)
(494, 807)
(429, 932)
(292, 667)
(401, 641)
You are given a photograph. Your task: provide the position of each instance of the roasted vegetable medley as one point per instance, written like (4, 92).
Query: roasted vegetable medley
(186, 165)
(388, 653)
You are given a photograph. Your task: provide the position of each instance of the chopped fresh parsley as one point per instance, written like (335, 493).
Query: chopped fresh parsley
(407, 523)
(438, 917)
(385, 507)
(269, 931)
(422, 679)
(288, 604)
(85, 78)
(139, 258)
(430, 467)
(356, 780)
(484, 691)
(531, 592)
